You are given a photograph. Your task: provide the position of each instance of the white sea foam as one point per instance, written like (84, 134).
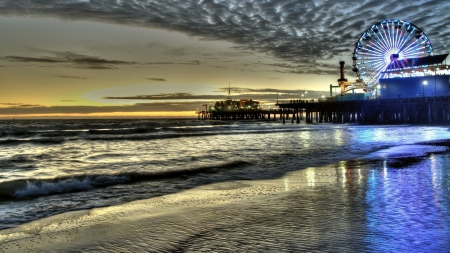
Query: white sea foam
(40, 188)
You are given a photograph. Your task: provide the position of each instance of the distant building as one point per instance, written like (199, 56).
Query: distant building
(235, 105)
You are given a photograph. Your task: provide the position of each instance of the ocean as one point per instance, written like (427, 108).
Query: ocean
(402, 180)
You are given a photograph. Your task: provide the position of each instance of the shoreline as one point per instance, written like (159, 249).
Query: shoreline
(322, 207)
(77, 227)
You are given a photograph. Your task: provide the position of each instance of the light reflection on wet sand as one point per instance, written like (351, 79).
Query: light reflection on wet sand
(352, 206)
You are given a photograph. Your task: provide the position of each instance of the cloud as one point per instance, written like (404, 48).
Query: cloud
(71, 59)
(304, 33)
(71, 77)
(237, 93)
(176, 52)
(239, 90)
(141, 107)
(19, 105)
(157, 79)
(169, 96)
(33, 59)
(182, 102)
(312, 68)
(193, 62)
(301, 32)
(220, 67)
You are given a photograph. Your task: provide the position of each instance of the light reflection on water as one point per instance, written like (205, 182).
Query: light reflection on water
(408, 208)
(382, 208)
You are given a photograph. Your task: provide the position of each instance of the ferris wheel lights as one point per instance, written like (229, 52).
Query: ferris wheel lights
(397, 41)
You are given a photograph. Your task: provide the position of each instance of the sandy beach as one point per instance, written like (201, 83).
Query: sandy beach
(351, 206)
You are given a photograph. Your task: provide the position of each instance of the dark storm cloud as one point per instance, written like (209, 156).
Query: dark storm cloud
(303, 32)
(74, 60)
(156, 79)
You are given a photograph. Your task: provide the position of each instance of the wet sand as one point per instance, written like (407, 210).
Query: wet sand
(388, 205)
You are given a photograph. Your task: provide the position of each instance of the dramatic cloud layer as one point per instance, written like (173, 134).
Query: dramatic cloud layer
(302, 32)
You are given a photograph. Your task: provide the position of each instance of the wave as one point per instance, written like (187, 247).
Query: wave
(69, 133)
(111, 130)
(121, 131)
(32, 188)
(56, 140)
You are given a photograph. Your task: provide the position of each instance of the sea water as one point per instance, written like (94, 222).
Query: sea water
(49, 167)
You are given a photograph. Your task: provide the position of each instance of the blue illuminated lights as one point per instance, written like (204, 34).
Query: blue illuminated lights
(385, 42)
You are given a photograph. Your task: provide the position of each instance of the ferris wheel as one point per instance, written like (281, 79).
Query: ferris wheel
(385, 42)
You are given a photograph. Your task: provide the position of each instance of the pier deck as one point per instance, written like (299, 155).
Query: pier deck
(419, 110)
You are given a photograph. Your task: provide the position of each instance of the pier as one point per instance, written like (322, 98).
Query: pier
(420, 110)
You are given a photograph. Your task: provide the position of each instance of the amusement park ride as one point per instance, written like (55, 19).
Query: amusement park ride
(394, 58)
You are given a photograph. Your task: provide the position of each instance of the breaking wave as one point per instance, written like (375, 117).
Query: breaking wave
(31, 188)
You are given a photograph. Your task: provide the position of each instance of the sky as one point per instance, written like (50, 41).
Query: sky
(155, 58)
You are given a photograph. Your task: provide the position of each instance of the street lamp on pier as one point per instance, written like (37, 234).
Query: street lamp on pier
(303, 93)
(423, 87)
